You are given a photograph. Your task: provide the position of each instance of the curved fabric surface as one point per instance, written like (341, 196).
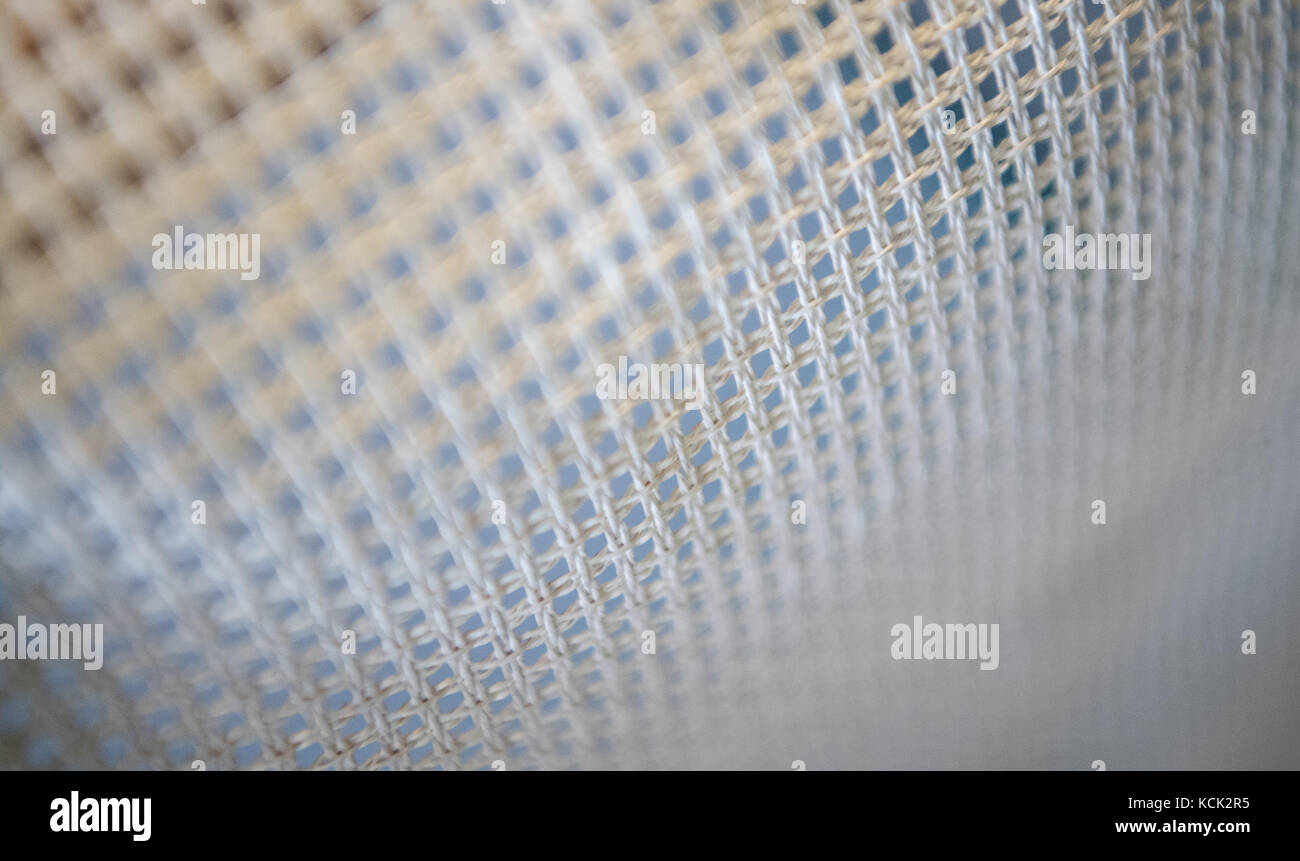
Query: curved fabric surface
(769, 189)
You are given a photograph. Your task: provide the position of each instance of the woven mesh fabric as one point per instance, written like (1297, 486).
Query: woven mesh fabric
(519, 638)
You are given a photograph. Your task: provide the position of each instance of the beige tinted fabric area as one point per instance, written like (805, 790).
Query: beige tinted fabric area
(828, 206)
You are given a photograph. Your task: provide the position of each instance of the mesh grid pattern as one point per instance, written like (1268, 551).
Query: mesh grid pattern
(776, 123)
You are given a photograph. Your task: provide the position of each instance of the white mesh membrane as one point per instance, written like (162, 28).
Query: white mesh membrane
(807, 223)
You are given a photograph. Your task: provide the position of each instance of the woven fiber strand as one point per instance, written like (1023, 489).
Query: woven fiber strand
(516, 641)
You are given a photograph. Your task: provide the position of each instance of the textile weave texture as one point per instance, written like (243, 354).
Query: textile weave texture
(828, 206)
